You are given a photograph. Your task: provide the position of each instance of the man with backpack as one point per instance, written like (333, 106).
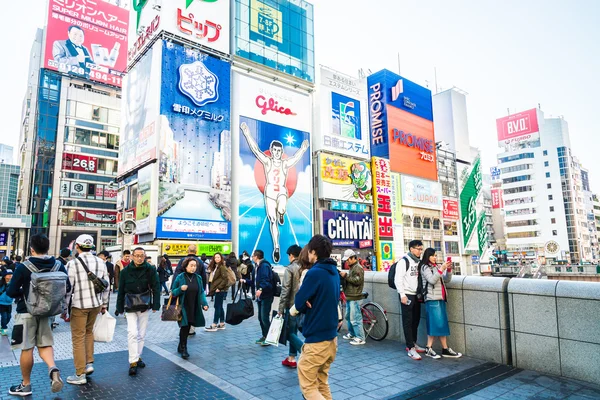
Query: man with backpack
(407, 283)
(264, 293)
(35, 305)
(87, 303)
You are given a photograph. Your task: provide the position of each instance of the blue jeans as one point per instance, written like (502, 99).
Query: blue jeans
(264, 317)
(5, 319)
(219, 312)
(354, 318)
(295, 342)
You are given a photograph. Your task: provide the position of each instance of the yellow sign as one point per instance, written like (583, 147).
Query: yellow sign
(266, 21)
(180, 249)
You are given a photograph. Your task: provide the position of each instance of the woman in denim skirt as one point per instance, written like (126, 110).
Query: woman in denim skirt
(434, 282)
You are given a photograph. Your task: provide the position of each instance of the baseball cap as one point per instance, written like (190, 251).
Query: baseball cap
(85, 241)
(347, 254)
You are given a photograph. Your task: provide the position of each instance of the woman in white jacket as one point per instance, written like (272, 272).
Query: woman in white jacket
(434, 282)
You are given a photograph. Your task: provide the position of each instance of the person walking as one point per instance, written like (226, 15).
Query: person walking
(434, 280)
(28, 331)
(5, 302)
(407, 283)
(289, 287)
(189, 288)
(64, 256)
(218, 289)
(86, 304)
(247, 271)
(163, 274)
(233, 263)
(120, 266)
(318, 299)
(110, 267)
(264, 293)
(355, 281)
(138, 283)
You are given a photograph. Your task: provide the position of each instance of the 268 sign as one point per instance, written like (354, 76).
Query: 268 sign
(80, 162)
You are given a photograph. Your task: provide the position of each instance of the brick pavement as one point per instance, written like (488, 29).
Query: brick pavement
(231, 361)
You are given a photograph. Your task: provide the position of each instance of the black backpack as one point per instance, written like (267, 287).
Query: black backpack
(276, 282)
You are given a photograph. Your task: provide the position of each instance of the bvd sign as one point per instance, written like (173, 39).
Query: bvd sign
(517, 128)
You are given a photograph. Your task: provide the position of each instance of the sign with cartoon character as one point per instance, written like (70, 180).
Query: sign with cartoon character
(275, 209)
(346, 179)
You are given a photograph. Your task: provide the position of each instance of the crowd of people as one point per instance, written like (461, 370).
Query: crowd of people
(309, 298)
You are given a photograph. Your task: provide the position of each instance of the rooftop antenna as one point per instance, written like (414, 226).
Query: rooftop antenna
(507, 111)
(399, 70)
(435, 75)
(539, 106)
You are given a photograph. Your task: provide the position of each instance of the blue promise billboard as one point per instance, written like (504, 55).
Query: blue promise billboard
(278, 34)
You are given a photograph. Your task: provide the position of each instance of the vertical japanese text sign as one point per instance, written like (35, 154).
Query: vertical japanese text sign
(382, 210)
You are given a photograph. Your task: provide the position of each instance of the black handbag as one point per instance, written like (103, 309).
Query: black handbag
(285, 330)
(239, 310)
(100, 284)
(138, 301)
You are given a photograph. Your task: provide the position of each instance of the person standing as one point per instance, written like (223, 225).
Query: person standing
(5, 302)
(407, 282)
(289, 287)
(318, 299)
(119, 266)
(110, 267)
(28, 331)
(189, 288)
(233, 263)
(264, 293)
(163, 274)
(246, 271)
(436, 296)
(138, 281)
(355, 281)
(86, 304)
(218, 289)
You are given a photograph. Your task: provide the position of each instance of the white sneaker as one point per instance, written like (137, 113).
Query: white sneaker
(420, 349)
(431, 353)
(348, 336)
(77, 379)
(357, 342)
(89, 369)
(412, 353)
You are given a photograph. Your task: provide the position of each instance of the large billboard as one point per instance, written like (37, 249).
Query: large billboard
(383, 213)
(274, 172)
(420, 193)
(342, 178)
(517, 128)
(278, 34)
(348, 229)
(205, 22)
(468, 201)
(87, 39)
(450, 210)
(194, 200)
(343, 115)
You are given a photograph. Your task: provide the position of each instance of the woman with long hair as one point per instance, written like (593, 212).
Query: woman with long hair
(189, 288)
(434, 282)
(163, 274)
(218, 288)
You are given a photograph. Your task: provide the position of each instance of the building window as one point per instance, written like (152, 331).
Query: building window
(437, 245)
(551, 208)
(546, 164)
(547, 174)
(436, 224)
(553, 220)
(549, 186)
(450, 228)
(451, 247)
(426, 223)
(407, 220)
(550, 197)
(554, 233)
(417, 222)
(545, 152)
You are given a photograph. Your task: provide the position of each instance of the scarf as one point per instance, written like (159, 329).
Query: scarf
(415, 258)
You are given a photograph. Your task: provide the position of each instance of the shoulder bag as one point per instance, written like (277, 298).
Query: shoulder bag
(138, 301)
(171, 312)
(100, 284)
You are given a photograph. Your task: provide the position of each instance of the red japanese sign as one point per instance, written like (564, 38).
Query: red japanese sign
(518, 127)
(497, 200)
(80, 162)
(87, 39)
(450, 210)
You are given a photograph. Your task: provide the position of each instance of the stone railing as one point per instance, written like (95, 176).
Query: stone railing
(547, 326)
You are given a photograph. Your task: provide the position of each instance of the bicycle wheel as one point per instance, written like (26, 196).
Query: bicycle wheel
(375, 322)
(342, 313)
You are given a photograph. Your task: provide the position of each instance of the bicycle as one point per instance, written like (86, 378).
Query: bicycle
(375, 320)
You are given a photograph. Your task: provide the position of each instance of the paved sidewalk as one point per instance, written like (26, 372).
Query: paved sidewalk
(227, 364)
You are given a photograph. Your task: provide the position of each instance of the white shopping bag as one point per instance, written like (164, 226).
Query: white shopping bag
(274, 331)
(104, 328)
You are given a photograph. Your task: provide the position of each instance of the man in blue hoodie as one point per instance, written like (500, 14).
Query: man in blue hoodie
(264, 293)
(318, 298)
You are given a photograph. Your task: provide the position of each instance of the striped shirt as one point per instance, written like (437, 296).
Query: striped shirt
(82, 289)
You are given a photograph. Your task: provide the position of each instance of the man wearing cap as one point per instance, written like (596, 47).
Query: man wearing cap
(86, 305)
(355, 280)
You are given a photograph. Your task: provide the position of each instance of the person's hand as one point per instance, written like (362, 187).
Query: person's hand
(80, 56)
(445, 266)
(304, 145)
(258, 293)
(343, 273)
(103, 310)
(217, 291)
(404, 300)
(205, 308)
(279, 315)
(243, 280)
(308, 304)
(184, 287)
(153, 311)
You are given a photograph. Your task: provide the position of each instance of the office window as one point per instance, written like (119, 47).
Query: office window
(545, 152)
(417, 222)
(554, 233)
(553, 220)
(426, 223)
(550, 197)
(549, 186)
(546, 164)
(551, 208)
(547, 174)
(437, 245)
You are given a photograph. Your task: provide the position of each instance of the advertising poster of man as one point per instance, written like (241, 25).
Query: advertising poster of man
(85, 38)
(195, 146)
(275, 188)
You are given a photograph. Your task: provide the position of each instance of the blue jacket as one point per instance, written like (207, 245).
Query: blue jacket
(321, 288)
(264, 276)
(18, 288)
(4, 299)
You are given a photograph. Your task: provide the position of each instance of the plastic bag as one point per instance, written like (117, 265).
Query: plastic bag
(274, 331)
(104, 327)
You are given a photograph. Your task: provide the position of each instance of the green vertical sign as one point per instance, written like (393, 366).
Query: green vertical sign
(482, 234)
(468, 201)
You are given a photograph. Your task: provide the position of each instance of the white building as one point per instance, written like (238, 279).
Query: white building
(542, 189)
(6, 154)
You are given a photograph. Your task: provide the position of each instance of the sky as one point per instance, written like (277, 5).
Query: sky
(507, 55)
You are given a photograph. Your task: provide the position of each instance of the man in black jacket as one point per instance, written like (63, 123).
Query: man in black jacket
(28, 331)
